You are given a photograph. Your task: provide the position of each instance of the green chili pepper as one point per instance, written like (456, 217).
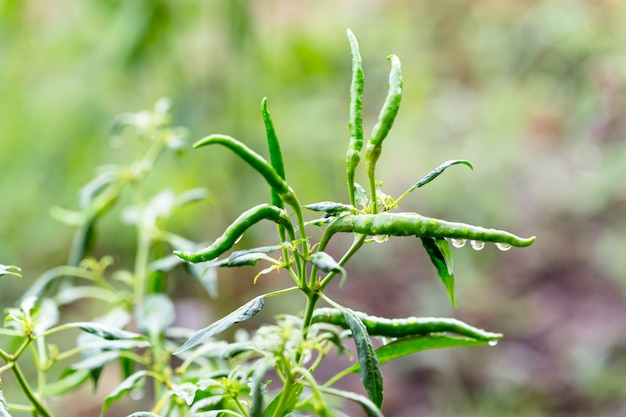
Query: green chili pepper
(256, 161)
(386, 118)
(413, 224)
(236, 229)
(276, 156)
(411, 326)
(355, 122)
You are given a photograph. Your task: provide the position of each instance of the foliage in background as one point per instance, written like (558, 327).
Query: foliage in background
(530, 92)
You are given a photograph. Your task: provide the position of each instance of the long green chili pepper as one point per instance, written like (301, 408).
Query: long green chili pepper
(413, 224)
(255, 160)
(276, 156)
(411, 326)
(386, 118)
(355, 121)
(236, 229)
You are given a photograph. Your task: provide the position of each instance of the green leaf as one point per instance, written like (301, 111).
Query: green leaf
(360, 195)
(438, 171)
(122, 389)
(143, 414)
(441, 256)
(70, 380)
(294, 396)
(248, 259)
(258, 387)
(186, 392)
(369, 371)
(243, 313)
(104, 331)
(331, 207)
(155, 314)
(326, 263)
(409, 345)
(371, 409)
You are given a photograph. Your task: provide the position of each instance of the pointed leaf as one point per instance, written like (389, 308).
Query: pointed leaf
(371, 409)
(331, 207)
(408, 345)
(326, 263)
(122, 389)
(261, 249)
(186, 392)
(247, 259)
(259, 388)
(360, 195)
(243, 313)
(70, 380)
(369, 371)
(290, 403)
(105, 332)
(441, 256)
(438, 171)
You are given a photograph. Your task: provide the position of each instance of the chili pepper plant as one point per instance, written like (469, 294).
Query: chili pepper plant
(272, 371)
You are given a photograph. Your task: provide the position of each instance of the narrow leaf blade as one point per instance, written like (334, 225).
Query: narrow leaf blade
(105, 332)
(122, 389)
(289, 404)
(440, 255)
(413, 344)
(331, 208)
(438, 171)
(369, 368)
(368, 406)
(326, 263)
(243, 313)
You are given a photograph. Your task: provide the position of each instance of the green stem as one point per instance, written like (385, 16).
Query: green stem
(306, 321)
(21, 380)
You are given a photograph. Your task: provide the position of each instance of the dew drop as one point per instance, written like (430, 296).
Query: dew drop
(492, 342)
(457, 243)
(477, 244)
(238, 239)
(503, 246)
(381, 238)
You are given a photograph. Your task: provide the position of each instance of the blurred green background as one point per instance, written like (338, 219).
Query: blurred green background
(533, 93)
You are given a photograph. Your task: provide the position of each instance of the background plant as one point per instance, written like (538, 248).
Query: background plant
(529, 92)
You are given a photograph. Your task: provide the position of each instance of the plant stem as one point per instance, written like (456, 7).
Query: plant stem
(21, 380)
(311, 301)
